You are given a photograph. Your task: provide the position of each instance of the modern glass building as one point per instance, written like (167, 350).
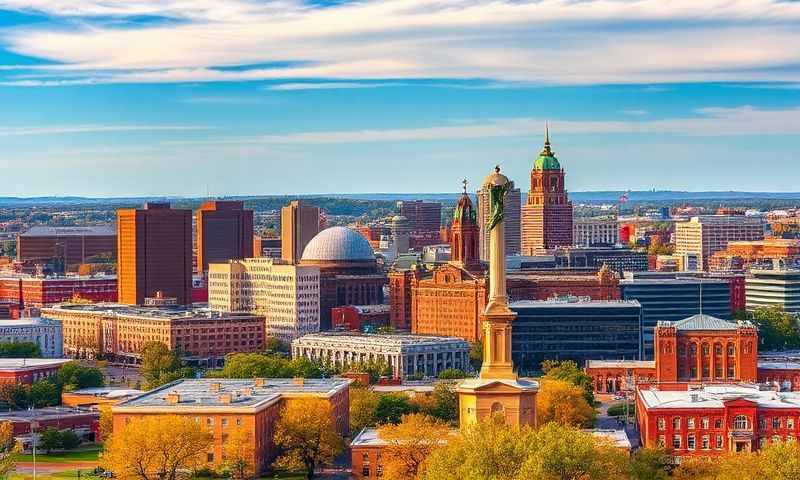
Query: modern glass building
(574, 329)
(674, 299)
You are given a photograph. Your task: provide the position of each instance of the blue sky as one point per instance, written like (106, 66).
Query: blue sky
(166, 97)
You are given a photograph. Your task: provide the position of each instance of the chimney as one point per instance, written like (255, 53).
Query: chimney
(173, 398)
(247, 391)
(225, 398)
(216, 387)
(260, 382)
(299, 381)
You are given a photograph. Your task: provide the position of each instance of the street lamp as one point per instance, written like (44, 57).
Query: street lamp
(34, 426)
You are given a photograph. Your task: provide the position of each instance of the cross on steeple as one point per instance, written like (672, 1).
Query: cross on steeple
(465, 185)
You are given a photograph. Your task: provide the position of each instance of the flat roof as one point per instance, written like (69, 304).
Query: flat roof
(373, 339)
(198, 394)
(617, 437)
(571, 304)
(48, 413)
(29, 322)
(620, 364)
(150, 313)
(107, 392)
(672, 281)
(45, 231)
(779, 365)
(715, 396)
(25, 364)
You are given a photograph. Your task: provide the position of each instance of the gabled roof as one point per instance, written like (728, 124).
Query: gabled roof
(704, 322)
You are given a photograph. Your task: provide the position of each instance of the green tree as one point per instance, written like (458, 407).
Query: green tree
(15, 395)
(20, 350)
(50, 439)
(452, 374)
(306, 435)
(44, 393)
(363, 405)
(777, 329)
(375, 369)
(650, 464)
(276, 345)
(391, 408)
(160, 365)
(568, 371)
(74, 376)
(9, 449)
(69, 440)
(258, 365)
(476, 355)
(444, 403)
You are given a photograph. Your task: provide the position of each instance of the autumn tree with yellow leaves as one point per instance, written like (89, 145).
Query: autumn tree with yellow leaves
(563, 403)
(410, 443)
(239, 450)
(156, 448)
(307, 436)
(10, 449)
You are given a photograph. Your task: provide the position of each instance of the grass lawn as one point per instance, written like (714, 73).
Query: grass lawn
(66, 474)
(88, 454)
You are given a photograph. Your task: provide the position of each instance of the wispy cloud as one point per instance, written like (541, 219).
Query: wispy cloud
(75, 129)
(222, 100)
(542, 41)
(635, 113)
(710, 121)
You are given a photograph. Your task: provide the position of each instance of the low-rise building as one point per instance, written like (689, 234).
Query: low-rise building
(773, 288)
(222, 405)
(29, 370)
(716, 419)
(41, 331)
(121, 331)
(288, 296)
(41, 291)
(85, 423)
(405, 354)
(94, 397)
(595, 232)
(360, 317)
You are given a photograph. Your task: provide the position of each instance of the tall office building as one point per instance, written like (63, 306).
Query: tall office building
(704, 235)
(547, 217)
(422, 216)
(513, 232)
(154, 253)
(299, 224)
(224, 232)
(773, 288)
(67, 246)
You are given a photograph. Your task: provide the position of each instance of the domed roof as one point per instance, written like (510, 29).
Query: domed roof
(339, 244)
(464, 209)
(547, 159)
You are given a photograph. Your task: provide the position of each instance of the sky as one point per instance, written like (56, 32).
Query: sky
(246, 97)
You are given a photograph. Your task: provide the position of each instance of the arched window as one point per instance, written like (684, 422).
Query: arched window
(731, 349)
(741, 422)
(693, 349)
(498, 411)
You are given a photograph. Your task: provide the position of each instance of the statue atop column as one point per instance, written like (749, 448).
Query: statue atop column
(497, 391)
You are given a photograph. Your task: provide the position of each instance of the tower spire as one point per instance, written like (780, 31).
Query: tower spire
(465, 185)
(547, 134)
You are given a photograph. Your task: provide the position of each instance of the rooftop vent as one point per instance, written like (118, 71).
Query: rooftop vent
(216, 387)
(260, 382)
(225, 398)
(299, 381)
(173, 398)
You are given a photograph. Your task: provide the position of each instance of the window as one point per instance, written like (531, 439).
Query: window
(762, 423)
(662, 424)
(741, 422)
(706, 443)
(790, 423)
(224, 422)
(731, 350)
(718, 423)
(210, 422)
(693, 349)
(776, 439)
(676, 442)
(690, 423)
(676, 423)
(776, 423)
(705, 349)
(690, 442)
(762, 442)
(661, 441)
(705, 423)
(365, 471)
(718, 349)
(719, 442)
(210, 457)
(238, 421)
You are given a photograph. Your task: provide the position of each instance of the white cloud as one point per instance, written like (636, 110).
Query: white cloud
(710, 121)
(635, 113)
(543, 41)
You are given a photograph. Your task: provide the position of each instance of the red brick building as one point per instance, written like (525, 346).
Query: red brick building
(714, 420)
(450, 301)
(29, 370)
(547, 217)
(224, 232)
(154, 253)
(30, 291)
(542, 285)
(71, 246)
(358, 317)
(400, 282)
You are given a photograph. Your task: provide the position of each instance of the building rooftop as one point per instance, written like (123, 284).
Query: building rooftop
(372, 309)
(340, 244)
(705, 322)
(378, 339)
(25, 364)
(370, 437)
(55, 278)
(157, 313)
(233, 393)
(778, 365)
(45, 231)
(715, 396)
(42, 414)
(618, 438)
(620, 364)
(673, 281)
(573, 302)
(29, 322)
(108, 392)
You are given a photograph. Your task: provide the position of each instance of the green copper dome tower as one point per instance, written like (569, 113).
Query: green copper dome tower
(547, 159)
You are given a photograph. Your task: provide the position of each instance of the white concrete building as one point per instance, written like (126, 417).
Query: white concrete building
(41, 331)
(287, 295)
(406, 354)
(707, 234)
(593, 232)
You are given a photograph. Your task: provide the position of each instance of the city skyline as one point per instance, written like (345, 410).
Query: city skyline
(248, 98)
